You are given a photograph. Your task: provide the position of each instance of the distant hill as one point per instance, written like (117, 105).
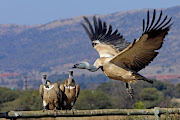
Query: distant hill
(54, 47)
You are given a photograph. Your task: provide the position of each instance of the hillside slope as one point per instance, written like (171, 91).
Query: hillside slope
(56, 46)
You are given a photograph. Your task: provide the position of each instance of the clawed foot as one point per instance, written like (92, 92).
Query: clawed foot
(130, 92)
(55, 110)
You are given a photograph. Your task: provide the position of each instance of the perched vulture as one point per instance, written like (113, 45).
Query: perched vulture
(51, 95)
(70, 92)
(120, 60)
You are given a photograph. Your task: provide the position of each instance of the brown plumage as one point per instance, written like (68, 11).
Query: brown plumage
(70, 92)
(120, 60)
(51, 95)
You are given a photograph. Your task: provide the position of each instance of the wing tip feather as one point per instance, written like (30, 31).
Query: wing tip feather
(164, 25)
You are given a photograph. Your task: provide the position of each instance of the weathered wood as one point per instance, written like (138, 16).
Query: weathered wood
(157, 115)
(50, 113)
(84, 113)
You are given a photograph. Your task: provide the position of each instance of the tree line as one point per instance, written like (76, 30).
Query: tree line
(108, 95)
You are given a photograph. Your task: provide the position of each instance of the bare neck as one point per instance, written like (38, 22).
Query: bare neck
(91, 68)
(43, 81)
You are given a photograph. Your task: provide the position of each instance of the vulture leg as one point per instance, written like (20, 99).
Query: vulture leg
(56, 105)
(129, 90)
(44, 106)
(55, 110)
(72, 111)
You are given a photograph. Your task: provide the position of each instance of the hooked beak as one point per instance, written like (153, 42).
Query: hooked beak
(74, 66)
(71, 72)
(44, 77)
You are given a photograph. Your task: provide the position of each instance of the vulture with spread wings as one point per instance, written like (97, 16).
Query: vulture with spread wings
(120, 60)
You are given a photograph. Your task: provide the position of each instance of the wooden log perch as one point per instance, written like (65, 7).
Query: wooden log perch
(85, 113)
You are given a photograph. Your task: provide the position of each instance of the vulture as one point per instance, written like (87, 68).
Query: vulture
(120, 60)
(51, 94)
(70, 92)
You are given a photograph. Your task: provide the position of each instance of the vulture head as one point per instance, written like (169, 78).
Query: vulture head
(82, 65)
(44, 76)
(70, 73)
(96, 42)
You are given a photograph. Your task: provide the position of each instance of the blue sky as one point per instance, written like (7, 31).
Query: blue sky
(31, 12)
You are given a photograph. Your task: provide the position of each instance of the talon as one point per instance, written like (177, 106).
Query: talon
(130, 92)
(55, 109)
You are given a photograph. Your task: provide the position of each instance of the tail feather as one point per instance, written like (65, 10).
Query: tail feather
(140, 77)
(147, 80)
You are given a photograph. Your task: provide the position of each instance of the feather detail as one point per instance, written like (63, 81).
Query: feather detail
(104, 35)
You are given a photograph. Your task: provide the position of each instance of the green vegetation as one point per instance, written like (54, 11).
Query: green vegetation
(139, 105)
(7, 95)
(23, 100)
(177, 91)
(93, 100)
(108, 95)
(151, 97)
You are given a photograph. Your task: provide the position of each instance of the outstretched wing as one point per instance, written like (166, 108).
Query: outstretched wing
(41, 90)
(142, 51)
(106, 42)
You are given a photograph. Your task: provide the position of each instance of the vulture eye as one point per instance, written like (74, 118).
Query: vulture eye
(94, 44)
